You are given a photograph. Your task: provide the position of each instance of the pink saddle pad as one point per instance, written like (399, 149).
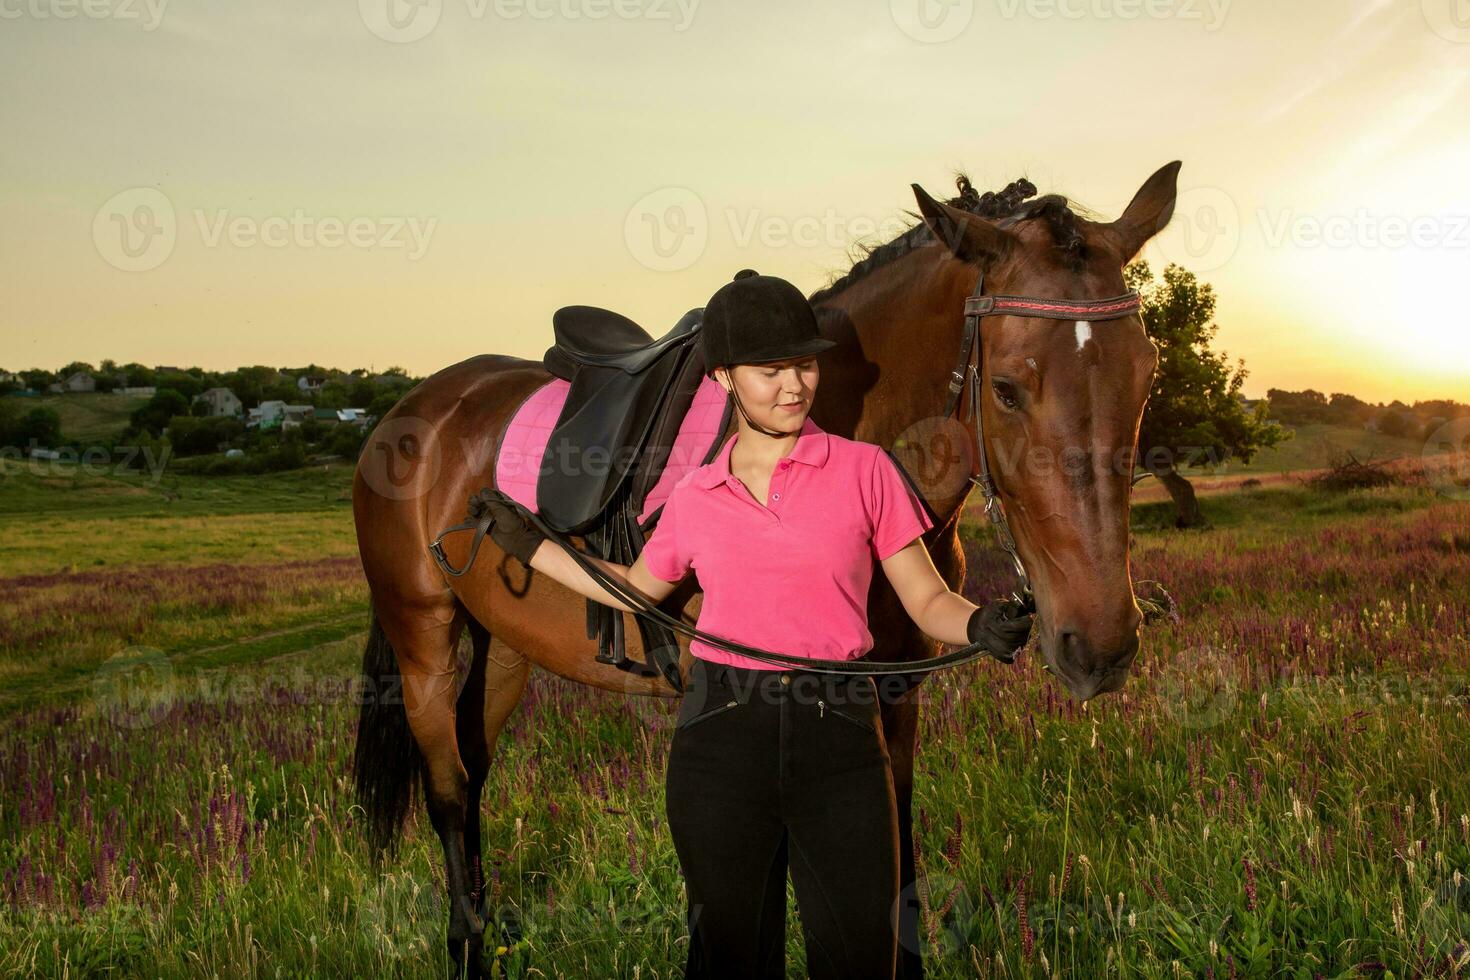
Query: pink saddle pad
(523, 447)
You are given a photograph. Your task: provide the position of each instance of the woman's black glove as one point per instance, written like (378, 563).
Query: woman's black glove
(1002, 626)
(511, 531)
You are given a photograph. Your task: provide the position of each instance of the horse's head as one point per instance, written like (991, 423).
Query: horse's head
(1061, 404)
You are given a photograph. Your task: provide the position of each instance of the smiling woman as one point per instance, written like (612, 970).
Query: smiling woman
(769, 765)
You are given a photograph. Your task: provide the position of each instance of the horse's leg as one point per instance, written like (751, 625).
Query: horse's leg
(496, 680)
(900, 729)
(425, 641)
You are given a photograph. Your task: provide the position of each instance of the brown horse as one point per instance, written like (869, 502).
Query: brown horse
(1061, 407)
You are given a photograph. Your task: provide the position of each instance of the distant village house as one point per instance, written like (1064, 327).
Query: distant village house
(340, 416)
(223, 401)
(77, 381)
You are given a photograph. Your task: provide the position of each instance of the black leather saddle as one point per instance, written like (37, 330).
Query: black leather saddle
(629, 395)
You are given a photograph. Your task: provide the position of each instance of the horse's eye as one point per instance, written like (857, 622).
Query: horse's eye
(1005, 393)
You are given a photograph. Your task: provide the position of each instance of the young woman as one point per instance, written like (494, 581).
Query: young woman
(772, 765)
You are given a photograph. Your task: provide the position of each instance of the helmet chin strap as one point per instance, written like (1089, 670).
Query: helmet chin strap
(734, 390)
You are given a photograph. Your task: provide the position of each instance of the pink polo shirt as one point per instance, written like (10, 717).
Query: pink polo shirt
(792, 576)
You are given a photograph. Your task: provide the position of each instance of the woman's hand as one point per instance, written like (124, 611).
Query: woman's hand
(511, 530)
(1002, 626)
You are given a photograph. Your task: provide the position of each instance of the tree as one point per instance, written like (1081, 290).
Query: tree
(36, 379)
(183, 382)
(249, 383)
(1309, 407)
(382, 404)
(152, 416)
(1345, 409)
(1194, 416)
(361, 394)
(18, 428)
(1393, 422)
(139, 375)
(74, 367)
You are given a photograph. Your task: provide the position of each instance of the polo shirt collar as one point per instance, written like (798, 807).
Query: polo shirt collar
(811, 448)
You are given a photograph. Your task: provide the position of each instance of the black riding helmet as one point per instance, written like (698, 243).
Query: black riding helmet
(753, 319)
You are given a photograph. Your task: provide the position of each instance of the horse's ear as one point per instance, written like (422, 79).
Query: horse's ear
(1149, 211)
(970, 237)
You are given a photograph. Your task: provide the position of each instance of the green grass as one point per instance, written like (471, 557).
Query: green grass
(89, 416)
(1313, 446)
(1279, 789)
(30, 488)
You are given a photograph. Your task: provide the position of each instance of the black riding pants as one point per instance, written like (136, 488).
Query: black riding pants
(775, 766)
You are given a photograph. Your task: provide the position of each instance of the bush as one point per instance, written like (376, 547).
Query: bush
(193, 436)
(18, 427)
(158, 410)
(1346, 472)
(345, 441)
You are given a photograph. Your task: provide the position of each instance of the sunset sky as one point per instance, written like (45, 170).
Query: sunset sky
(379, 182)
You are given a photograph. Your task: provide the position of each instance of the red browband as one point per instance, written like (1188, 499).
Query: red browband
(1084, 309)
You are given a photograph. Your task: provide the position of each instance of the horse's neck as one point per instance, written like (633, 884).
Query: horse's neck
(908, 321)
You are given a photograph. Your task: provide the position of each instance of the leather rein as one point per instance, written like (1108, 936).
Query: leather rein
(966, 369)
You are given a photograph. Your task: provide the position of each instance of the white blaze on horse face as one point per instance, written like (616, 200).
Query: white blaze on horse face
(1084, 333)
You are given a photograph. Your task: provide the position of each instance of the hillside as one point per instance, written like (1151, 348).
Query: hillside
(1312, 447)
(91, 415)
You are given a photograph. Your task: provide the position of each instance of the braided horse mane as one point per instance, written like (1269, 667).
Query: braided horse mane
(1014, 204)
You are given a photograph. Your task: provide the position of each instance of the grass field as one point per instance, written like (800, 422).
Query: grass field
(1279, 791)
(1314, 446)
(89, 416)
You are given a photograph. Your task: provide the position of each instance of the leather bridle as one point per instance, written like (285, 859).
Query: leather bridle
(977, 306)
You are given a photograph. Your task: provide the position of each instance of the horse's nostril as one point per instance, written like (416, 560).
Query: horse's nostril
(1073, 653)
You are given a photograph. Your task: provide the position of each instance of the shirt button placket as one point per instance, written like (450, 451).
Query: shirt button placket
(778, 482)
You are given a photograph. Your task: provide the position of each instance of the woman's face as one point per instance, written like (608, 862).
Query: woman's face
(777, 395)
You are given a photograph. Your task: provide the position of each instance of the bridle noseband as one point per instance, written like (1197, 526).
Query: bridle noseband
(977, 306)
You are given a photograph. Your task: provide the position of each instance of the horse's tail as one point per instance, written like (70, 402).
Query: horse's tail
(386, 764)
